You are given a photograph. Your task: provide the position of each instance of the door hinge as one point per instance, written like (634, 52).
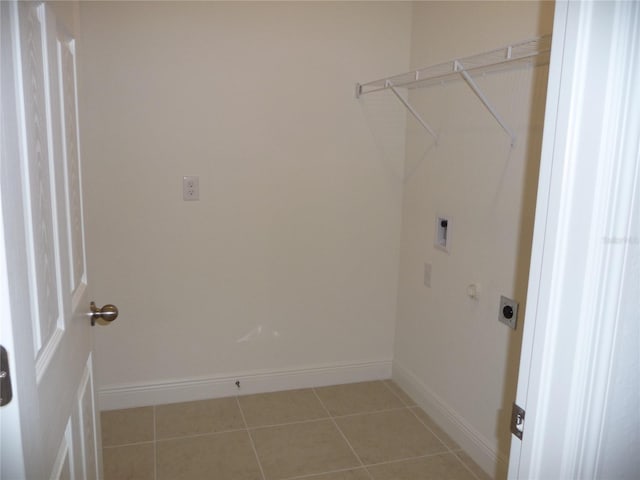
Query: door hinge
(517, 420)
(5, 378)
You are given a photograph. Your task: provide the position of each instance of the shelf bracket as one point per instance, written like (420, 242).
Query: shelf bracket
(412, 110)
(458, 67)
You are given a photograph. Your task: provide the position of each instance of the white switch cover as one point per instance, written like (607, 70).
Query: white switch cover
(191, 188)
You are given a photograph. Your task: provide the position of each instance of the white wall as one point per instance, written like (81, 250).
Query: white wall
(289, 260)
(450, 351)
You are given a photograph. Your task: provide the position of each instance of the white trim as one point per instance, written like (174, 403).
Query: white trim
(97, 426)
(14, 298)
(587, 181)
(535, 330)
(479, 448)
(113, 397)
(82, 391)
(65, 452)
(78, 295)
(47, 352)
(619, 166)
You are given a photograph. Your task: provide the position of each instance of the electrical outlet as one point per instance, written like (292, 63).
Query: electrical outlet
(190, 188)
(508, 312)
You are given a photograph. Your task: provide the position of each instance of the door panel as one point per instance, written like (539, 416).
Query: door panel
(63, 465)
(86, 415)
(39, 188)
(75, 228)
(55, 401)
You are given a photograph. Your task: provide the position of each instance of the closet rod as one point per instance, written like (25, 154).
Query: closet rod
(529, 52)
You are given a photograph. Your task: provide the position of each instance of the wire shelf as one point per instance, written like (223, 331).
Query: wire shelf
(532, 52)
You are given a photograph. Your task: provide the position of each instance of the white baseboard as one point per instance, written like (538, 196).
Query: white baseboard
(112, 397)
(473, 442)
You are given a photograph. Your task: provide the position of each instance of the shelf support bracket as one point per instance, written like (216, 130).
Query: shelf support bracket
(458, 67)
(412, 110)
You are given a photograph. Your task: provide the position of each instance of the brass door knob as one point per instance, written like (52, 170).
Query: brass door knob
(106, 314)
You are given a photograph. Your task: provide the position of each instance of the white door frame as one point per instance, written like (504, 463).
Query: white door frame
(587, 194)
(14, 283)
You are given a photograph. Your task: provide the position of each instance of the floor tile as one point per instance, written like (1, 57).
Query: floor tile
(433, 426)
(221, 456)
(358, 398)
(437, 467)
(281, 407)
(473, 466)
(200, 417)
(302, 449)
(406, 399)
(385, 436)
(129, 462)
(132, 425)
(292, 437)
(358, 474)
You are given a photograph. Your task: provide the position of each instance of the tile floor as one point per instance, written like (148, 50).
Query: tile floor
(358, 431)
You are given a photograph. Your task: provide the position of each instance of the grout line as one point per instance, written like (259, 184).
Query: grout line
(400, 460)
(258, 427)
(328, 417)
(312, 420)
(384, 382)
(253, 445)
(205, 434)
(364, 467)
(464, 464)
(343, 435)
(329, 472)
(372, 412)
(404, 402)
(449, 449)
(146, 442)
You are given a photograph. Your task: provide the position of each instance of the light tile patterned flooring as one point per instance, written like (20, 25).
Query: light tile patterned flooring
(358, 431)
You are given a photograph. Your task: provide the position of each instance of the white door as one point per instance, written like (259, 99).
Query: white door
(49, 429)
(578, 381)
